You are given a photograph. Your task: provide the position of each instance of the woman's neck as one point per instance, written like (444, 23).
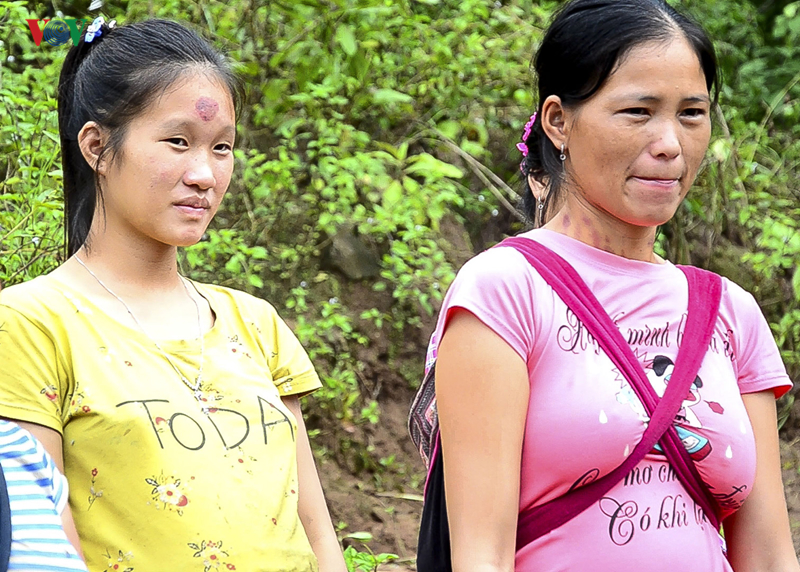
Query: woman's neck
(143, 266)
(600, 230)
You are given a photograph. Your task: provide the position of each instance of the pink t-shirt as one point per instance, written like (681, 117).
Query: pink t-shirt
(584, 419)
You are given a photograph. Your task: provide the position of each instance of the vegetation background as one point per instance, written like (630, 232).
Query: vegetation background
(374, 156)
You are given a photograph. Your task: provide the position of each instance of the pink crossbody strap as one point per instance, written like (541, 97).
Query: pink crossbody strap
(705, 289)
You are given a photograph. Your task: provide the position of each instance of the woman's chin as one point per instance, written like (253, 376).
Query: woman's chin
(185, 240)
(654, 216)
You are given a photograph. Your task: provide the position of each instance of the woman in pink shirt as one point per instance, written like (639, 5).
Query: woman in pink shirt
(529, 405)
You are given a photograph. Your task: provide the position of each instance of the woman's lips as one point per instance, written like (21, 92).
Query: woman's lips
(195, 212)
(666, 184)
(193, 206)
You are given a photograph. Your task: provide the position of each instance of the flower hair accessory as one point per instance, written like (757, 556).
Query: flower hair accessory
(95, 29)
(523, 147)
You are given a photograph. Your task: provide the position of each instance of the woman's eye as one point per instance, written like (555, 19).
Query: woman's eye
(694, 112)
(637, 111)
(179, 141)
(223, 147)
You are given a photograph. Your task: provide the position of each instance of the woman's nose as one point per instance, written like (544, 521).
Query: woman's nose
(667, 143)
(200, 172)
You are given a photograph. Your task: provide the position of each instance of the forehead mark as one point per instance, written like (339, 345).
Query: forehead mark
(206, 108)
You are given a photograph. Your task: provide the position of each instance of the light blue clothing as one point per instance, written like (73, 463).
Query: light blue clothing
(37, 494)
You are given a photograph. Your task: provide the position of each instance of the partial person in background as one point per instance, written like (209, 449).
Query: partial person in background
(172, 406)
(529, 406)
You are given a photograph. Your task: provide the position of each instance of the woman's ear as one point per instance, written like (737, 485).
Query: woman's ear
(554, 121)
(92, 141)
(538, 189)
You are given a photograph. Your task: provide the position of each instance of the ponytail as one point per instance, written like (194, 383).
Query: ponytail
(80, 189)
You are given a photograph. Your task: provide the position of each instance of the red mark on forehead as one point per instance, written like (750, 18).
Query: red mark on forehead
(206, 108)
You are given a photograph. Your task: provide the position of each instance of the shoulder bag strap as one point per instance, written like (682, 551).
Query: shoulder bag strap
(705, 290)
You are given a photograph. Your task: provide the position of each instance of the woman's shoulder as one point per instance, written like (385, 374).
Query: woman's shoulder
(498, 265)
(738, 305)
(499, 281)
(736, 293)
(33, 288)
(35, 299)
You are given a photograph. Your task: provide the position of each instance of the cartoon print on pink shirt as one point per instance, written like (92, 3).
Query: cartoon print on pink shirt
(659, 371)
(696, 445)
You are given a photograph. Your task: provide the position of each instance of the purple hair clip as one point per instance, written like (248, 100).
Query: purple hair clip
(523, 147)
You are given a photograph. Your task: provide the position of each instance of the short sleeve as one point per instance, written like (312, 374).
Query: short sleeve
(292, 370)
(32, 381)
(28, 464)
(497, 287)
(47, 476)
(760, 367)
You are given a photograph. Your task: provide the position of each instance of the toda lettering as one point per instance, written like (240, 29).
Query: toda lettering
(227, 427)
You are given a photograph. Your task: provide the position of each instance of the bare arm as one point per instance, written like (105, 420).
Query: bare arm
(758, 534)
(53, 444)
(69, 528)
(482, 396)
(311, 503)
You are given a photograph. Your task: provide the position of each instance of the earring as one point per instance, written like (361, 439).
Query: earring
(563, 155)
(540, 211)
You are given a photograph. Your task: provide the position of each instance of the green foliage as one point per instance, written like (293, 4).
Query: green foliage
(328, 334)
(31, 235)
(366, 561)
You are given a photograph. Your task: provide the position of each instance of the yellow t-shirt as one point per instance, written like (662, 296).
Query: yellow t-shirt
(156, 484)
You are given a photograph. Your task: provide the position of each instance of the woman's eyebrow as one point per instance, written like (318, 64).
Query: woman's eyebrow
(655, 99)
(698, 99)
(177, 125)
(189, 125)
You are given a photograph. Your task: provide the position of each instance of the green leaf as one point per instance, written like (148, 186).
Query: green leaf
(392, 194)
(347, 39)
(385, 96)
(362, 536)
(428, 166)
(450, 128)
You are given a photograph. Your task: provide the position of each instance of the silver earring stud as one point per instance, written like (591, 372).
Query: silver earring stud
(539, 211)
(563, 155)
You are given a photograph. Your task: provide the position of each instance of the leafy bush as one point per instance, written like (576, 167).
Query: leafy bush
(31, 235)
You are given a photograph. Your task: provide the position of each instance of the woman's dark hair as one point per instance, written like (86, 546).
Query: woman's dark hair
(583, 46)
(111, 80)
